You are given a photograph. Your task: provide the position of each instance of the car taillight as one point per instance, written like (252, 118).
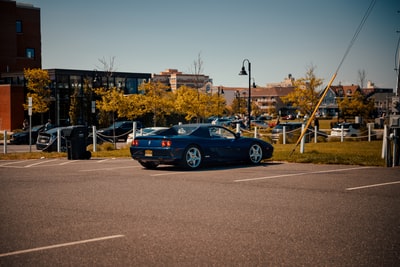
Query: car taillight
(135, 142)
(166, 143)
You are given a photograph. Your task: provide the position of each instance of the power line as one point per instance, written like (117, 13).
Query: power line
(358, 30)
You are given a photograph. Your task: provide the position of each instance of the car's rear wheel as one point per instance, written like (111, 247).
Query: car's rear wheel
(149, 165)
(192, 158)
(255, 153)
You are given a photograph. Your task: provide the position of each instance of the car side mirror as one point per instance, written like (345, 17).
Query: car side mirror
(237, 135)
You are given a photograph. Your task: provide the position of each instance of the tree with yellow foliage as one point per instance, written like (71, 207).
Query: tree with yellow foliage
(158, 101)
(355, 105)
(110, 102)
(305, 95)
(37, 82)
(188, 102)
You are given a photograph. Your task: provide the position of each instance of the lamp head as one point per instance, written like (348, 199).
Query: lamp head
(243, 71)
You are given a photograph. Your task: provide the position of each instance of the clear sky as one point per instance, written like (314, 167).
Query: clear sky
(277, 36)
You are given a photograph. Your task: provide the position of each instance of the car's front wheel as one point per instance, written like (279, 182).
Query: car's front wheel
(255, 153)
(192, 158)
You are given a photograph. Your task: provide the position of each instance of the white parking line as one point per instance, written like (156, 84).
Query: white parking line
(108, 169)
(169, 173)
(298, 174)
(372, 185)
(13, 162)
(41, 162)
(60, 245)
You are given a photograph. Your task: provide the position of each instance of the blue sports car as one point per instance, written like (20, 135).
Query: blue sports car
(191, 145)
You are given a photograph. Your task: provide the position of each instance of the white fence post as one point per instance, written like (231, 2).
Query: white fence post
(94, 138)
(302, 140)
(342, 134)
(5, 142)
(369, 132)
(58, 140)
(315, 134)
(384, 141)
(284, 135)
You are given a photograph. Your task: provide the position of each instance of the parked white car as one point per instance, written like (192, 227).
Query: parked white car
(144, 132)
(349, 129)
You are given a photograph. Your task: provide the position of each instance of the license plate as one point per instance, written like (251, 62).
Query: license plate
(148, 153)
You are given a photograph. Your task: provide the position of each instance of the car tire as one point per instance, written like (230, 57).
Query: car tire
(192, 158)
(255, 153)
(149, 165)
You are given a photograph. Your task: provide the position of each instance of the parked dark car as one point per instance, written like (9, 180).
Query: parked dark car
(47, 141)
(122, 130)
(293, 131)
(192, 145)
(22, 138)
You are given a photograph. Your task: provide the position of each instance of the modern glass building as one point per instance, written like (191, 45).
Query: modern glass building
(66, 82)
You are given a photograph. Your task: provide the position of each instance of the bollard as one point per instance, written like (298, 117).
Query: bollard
(342, 134)
(284, 135)
(5, 143)
(255, 132)
(369, 132)
(94, 138)
(58, 140)
(237, 127)
(302, 140)
(384, 141)
(315, 134)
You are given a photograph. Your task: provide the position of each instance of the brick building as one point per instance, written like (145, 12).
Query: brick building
(20, 47)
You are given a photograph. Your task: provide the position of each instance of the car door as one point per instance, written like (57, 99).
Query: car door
(222, 143)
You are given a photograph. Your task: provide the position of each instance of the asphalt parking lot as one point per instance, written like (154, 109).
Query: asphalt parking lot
(112, 212)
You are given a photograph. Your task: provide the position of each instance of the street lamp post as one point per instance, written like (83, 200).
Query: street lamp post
(243, 72)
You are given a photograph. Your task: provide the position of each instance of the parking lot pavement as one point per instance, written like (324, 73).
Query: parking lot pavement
(240, 174)
(113, 212)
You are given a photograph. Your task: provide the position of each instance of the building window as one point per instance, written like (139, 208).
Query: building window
(30, 53)
(19, 26)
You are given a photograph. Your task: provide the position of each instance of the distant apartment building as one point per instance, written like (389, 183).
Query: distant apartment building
(175, 79)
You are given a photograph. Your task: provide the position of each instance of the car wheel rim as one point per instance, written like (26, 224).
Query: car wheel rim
(193, 157)
(255, 153)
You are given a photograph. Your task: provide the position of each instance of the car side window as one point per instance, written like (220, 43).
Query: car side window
(216, 132)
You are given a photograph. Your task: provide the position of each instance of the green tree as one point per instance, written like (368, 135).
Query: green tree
(305, 95)
(37, 82)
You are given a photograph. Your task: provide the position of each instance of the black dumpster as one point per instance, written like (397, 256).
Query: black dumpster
(76, 141)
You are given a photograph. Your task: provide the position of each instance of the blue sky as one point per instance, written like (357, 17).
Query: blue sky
(277, 36)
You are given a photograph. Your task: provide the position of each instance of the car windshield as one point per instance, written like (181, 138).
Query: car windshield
(37, 128)
(117, 124)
